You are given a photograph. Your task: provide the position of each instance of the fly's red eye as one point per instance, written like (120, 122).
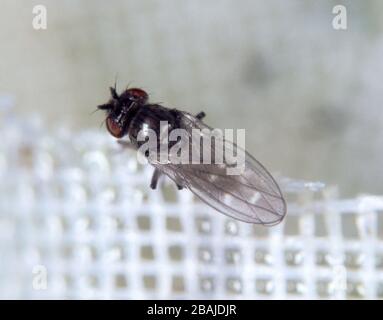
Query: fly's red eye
(138, 94)
(113, 127)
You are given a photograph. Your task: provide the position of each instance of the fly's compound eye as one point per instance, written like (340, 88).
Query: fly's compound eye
(139, 95)
(114, 128)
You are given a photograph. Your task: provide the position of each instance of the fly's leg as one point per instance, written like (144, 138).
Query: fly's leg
(156, 176)
(179, 187)
(200, 115)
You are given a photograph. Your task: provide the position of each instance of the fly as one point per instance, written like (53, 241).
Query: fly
(252, 196)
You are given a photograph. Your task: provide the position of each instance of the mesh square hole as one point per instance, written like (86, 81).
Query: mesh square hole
(295, 286)
(203, 225)
(349, 226)
(67, 251)
(353, 260)
(169, 192)
(205, 255)
(264, 286)
(147, 252)
(120, 281)
(68, 280)
(176, 253)
(320, 226)
(323, 258)
(178, 284)
(232, 256)
(206, 284)
(293, 257)
(260, 231)
(144, 223)
(233, 285)
(93, 281)
(324, 288)
(173, 224)
(231, 228)
(149, 282)
(263, 256)
(291, 226)
(355, 289)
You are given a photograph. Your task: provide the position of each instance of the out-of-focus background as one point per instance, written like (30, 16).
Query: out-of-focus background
(309, 96)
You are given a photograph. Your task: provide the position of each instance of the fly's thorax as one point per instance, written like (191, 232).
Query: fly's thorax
(149, 120)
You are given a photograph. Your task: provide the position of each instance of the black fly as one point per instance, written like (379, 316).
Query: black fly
(252, 196)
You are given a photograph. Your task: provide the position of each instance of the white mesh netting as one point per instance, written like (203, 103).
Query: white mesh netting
(76, 209)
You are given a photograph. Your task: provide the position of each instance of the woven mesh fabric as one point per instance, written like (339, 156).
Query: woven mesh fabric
(78, 220)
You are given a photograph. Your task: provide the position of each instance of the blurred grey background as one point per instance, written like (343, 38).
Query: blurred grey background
(309, 96)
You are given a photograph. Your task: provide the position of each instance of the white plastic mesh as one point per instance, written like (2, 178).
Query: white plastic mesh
(73, 205)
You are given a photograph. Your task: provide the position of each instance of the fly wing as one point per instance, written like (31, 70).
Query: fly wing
(252, 196)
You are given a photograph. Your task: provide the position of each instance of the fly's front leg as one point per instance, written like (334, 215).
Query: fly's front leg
(156, 176)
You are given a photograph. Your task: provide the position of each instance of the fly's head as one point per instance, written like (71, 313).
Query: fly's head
(118, 107)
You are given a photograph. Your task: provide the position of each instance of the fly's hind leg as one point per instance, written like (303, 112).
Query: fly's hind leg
(156, 176)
